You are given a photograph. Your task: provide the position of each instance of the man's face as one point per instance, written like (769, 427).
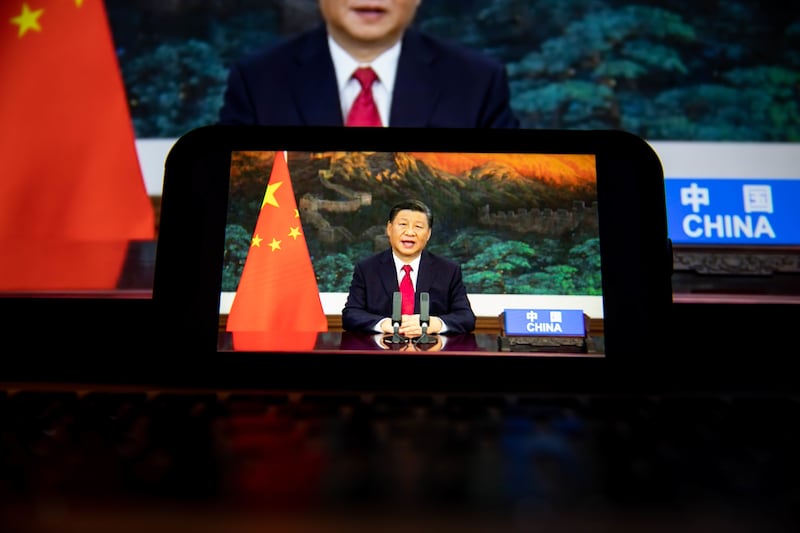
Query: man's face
(408, 233)
(368, 22)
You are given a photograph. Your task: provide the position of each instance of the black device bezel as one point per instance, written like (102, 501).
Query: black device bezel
(635, 255)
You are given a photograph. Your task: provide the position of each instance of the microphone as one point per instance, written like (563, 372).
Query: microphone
(425, 318)
(424, 309)
(397, 306)
(397, 316)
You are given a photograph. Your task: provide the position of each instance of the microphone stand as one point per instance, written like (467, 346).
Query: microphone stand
(424, 319)
(396, 339)
(425, 338)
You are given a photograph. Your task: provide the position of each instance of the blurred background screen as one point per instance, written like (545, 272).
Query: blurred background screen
(712, 85)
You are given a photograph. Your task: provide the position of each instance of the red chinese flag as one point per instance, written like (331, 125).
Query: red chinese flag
(71, 193)
(277, 304)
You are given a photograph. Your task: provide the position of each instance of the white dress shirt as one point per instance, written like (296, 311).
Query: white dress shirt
(385, 66)
(398, 267)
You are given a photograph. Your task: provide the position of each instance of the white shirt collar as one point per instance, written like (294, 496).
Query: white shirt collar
(385, 65)
(398, 266)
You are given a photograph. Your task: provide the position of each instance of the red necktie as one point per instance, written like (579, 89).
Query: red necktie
(364, 112)
(407, 291)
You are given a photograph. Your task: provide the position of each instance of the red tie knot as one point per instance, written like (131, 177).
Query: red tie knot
(365, 76)
(407, 292)
(363, 111)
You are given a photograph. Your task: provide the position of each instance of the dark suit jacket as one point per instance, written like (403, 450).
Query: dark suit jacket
(438, 85)
(375, 282)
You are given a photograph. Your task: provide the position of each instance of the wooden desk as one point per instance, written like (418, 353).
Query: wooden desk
(488, 325)
(337, 342)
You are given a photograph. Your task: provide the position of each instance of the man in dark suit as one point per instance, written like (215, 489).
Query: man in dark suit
(375, 280)
(421, 81)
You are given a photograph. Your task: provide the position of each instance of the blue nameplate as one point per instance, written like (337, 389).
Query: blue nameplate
(736, 211)
(544, 322)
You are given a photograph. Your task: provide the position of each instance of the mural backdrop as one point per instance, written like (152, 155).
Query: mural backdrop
(703, 70)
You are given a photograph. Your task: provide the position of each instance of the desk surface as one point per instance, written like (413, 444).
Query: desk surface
(464, 344)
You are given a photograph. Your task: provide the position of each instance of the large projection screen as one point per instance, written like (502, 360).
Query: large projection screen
(711, 86)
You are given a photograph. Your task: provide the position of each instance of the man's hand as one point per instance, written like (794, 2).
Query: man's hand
(386, 325)
(410, 326)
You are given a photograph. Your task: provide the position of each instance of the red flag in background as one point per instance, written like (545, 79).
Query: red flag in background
(277, 304)
(71, 192)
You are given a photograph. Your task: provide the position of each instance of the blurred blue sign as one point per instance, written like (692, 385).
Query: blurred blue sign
(544, 322)
(733, 211)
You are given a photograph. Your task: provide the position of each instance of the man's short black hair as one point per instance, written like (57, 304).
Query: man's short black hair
(412, 205)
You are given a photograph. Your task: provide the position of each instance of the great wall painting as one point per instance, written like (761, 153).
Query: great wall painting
(540, 201)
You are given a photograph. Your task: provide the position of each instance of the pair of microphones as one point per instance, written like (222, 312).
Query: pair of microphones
(424, 320)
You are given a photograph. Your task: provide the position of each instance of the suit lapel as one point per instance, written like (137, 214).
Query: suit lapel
(414, 92)
(387, 274)
(314, 82)
(426, 273)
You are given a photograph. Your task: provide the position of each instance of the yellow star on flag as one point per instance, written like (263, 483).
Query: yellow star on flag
(269, 196)
(294, 233)
(256, 240)
(275, 244)
(27, 20)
